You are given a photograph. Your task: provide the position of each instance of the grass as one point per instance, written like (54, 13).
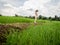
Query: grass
(12, 19)
(44, 33)
(7, 19)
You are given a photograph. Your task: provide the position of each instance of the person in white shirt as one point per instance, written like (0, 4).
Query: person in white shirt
(36, 16)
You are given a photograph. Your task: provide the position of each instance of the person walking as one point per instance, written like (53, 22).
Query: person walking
(36, 16)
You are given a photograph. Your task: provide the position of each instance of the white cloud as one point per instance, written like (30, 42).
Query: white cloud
(53, 9)
(44, 7)
(8, 10)
(35, 4)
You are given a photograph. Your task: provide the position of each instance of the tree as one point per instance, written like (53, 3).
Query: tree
(49, 18)
(0, 14)
(40, 16)
(44, 18)
(56, 17)
(16, 15)
(30, 17)
(33, 17)
(53, 19)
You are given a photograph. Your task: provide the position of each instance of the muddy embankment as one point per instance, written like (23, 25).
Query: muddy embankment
(6, 29)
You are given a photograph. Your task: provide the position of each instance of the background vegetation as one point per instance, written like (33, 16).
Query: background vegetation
(45, 32)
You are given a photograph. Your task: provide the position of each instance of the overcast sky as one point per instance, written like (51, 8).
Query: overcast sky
(27, 7)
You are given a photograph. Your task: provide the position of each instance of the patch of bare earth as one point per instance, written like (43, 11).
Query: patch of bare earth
(5, 29)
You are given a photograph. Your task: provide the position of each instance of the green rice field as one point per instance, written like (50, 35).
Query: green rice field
(45, 32)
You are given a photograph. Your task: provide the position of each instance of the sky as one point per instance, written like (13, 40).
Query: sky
(27, 7)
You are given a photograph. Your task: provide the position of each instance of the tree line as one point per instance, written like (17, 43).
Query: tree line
(55, 18)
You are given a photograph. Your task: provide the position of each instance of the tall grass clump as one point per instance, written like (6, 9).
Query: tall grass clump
(42, 34)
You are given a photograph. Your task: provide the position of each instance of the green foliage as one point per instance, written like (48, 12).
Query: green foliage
(0, 14)
(46, 33)
(49, 18)
(43, 33)
(7, 19)
(16, 15)
(40, 17)
(56, 18)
